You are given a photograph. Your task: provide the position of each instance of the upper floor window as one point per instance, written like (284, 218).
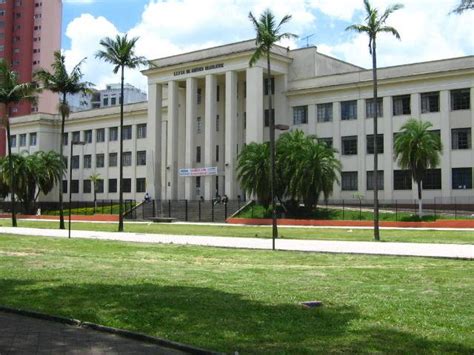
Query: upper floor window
(99, 160)
(198, 125)
(300, 115)
(87, 161)
(113, 159)
(429, 102)
(100, 135)
(76, 136)
(370, 144)
(75, 162)
(324, 112)
(327, 141)
(13, 141)
(349, 145)
(401, 105)
(22, 140)
(349, 110)
(460, 99)
(370, 109)
(88, 136)
(218, 93)
(267, 117)
(198, 154)
(141, 131)
(199, 96)
(127, 158)
(461, 138)
(113, 134)
(65, 138)
(141, 157)
(217, 123)
(272, 84)
(127, 132)
(33, 137)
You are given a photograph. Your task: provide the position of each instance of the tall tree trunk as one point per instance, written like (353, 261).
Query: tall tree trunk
(61, 146)
(420, 200)
(272, 151)
(376, 162)
(120, 226)
(10, 167)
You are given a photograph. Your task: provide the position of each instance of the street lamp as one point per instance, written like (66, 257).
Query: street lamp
(70, 180)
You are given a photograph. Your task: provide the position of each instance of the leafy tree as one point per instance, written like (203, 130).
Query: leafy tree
(464, 5)
(63, 83)
(34, 174)
(12, 92)
(374, 25)
(120, 52)
(94, 178)
(417, 149)
(268, 33)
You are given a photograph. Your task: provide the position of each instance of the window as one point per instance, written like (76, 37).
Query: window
(218, 93)
(199, 96)
(349, 110)
(64, 186)
(327, 141)
(217, 153)
(22, 140)
(33, 137)
(430, 102)
(300, 114)
(432, 179)
(370, 109)
(75, 162)
(324, 112)
(100, 135)
(349, 145)
(87, 186)
(141, 131)
(127, 158)
(267, 118)
(113, 159)
(198, 154)
(127, 185)
(198, 125)
(402, 180)
(88, 136)
(217, 123)
(265, 86)
(113, 134)
(127, 132)
(141, 185)
(65, 161)
(141, 157)
(13, 141)
(112, 185)
(460, 99)
(370, 143)
(401, 105)
(75, 186)
(113, 101)
(76, 136)
(65, 139)
(87, 161)
(99, 186)
(99, 160)
(462, 178)
(461, 138)
(105, 101)
(198, 185)
(245, 120)
(370, 180)
(349, 181)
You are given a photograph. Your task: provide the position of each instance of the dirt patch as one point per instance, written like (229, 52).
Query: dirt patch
(17, 253)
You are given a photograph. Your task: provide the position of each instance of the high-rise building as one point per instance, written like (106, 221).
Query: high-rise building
(30, 32)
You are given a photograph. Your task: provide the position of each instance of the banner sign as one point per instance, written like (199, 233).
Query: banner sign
(198, 69)
(198, 171)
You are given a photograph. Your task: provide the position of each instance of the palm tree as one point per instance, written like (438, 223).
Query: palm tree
(464, 5)
(95, 179)
(63, 83)
(375, 24)
(417, 149)
(12, 92)
(120, 52)
(267, 35)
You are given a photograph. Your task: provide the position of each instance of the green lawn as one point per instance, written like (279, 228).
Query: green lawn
(247, 301)
(458, 237)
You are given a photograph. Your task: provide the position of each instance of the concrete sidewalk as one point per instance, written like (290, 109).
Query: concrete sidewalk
(462, 251)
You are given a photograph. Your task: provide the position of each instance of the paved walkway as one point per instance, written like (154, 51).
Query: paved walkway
(25, 335)
(384, 248)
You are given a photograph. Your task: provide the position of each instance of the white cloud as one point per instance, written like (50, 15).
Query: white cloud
(78, 1)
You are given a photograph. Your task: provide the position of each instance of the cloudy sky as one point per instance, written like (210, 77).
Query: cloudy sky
(169, 27)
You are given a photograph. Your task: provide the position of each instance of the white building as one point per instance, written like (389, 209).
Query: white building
(204, 106)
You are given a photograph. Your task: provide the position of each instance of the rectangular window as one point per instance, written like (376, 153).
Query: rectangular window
(22, 140)
(462, 178)
(112, 185)
(105, 102)
(198, 125)
(141, 185)
(65, 138)
(127, 185)
(217, 153)
(401, 105)
(199, 96)
(75, 186)
(75, 162)
(430, 102)
(113, 159)
(370, 143)
(432, 179)
(113, 134)
(33, 137)
(349, 145)
(300, 115)
(127, 158)
(13, 141)
(99, 160)
(370, 180)
(64, 186)
(349, 181)
(87, 161)
(265, 86)
(267, 117)
(324, 112)
(198, 154)
(245, 120)
(461, 138)
(99, 186)
(141, 157)
(218, 93)
(327, 141)
(113, 101)
(87, 186)
(217, 123)
(76, 136)
(349, 110)
(460, 99)
(127, 132)
(141, 131)
(402, 180)
(88, 136)
(370, 109)
(198, 185)
(100, 135)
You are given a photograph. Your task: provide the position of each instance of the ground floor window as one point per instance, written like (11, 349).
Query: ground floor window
(86, 187)
(370, 180)
(349, 181)
(402, 180)
(141, 185)
(432, 179)
(75, 186)
(112, 185)
(127, 185)
(462, 178)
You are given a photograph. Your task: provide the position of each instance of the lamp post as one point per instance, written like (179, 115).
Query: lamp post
(70, 180)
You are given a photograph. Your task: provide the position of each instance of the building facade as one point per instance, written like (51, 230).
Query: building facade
(205, 106)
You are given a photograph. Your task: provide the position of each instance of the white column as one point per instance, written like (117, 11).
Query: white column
(172, 141)
(254, 131)
(210, 133)
(388, 162)
(230, 134)
(191, 92)
(153, 165)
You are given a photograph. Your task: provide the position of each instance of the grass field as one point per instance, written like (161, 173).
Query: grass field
(457, 237)
(247, 301)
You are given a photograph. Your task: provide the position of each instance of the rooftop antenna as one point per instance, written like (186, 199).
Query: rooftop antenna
(307, 39)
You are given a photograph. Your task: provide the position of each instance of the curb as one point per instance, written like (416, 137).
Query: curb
(101, 328)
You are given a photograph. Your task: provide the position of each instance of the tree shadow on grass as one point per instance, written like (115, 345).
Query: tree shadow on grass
(215, 319)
